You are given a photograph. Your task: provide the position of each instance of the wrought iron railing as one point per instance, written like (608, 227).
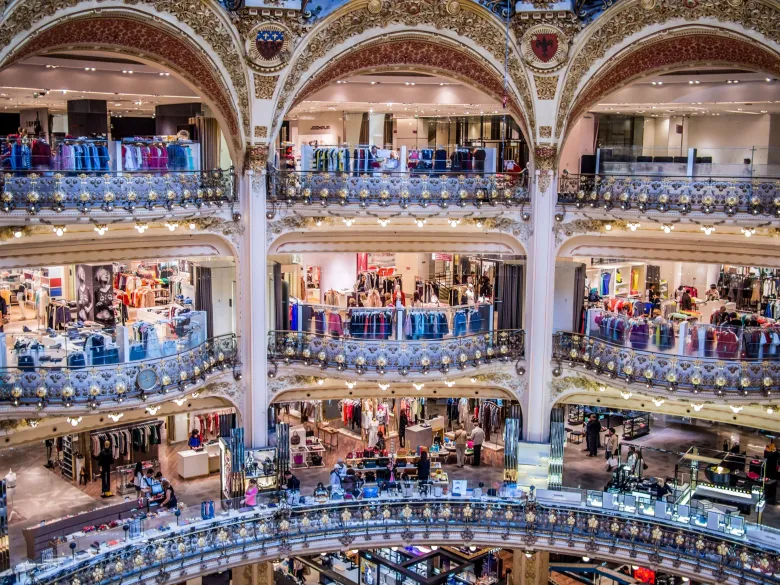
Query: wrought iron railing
(677, 373)
(382, 355)
(379, 190)
(241, 538)
(58, 191)
(91, 385)
(668, 194)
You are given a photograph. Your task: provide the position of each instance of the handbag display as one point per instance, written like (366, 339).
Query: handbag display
(295, 440)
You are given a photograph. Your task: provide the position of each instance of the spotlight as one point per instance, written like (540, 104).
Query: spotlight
(526, 216)
(236, 217)
(18, 233)
(608, 227)
(708, 229)
(193, 225)
(420, 223)
(667, 228)
(748, 231)
(383, 222)
(60, 229)
(101, 228)
(141, 227)
(559, 217)
(453, 222)
(348, 221)
(633, 226)
(172, 225)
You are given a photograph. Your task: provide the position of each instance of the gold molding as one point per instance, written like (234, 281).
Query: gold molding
(546, 86)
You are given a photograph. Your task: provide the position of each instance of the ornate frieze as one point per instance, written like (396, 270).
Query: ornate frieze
(544, 159)
(582, 226)
(546, 86)
(544, 48)
(265, 85)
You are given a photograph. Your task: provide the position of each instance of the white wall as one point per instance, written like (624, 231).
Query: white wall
(564, 296)
(337, 271)
(410, 265)
(579, 143)
(410, 132)
(737, 133)
(329, 136)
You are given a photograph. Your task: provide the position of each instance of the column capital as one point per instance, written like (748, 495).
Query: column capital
(256, 158)
(545, 157)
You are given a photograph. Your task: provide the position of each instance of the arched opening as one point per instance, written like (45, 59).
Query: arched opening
(691, 87)
(126, 66)
(412, 92)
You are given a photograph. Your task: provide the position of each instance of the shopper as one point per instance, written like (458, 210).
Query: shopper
(477, 437)
(713, 294)
(298, 570)
(292, 483)
(194, 442)
(105, 460)
(169, 501)
(416, 302)
(380, 442)
(633, 462)
(424, 467)
(461, 436)
(335, 478)
(148, 482)
(611, 446)
(660, 489)
(734, 321)
(403, 422)
(592, 430)
(250, 495)
(686, 302)
(21, 298)
(138, 478)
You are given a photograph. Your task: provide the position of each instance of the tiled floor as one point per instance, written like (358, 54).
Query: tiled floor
(583, 472)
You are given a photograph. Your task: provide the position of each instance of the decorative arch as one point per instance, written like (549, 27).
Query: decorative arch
(671, 49)
(415, 52)
(148, 38)
(476, 31)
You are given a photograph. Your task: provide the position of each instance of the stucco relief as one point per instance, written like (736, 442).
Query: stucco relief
(632, 16)
(564, 231)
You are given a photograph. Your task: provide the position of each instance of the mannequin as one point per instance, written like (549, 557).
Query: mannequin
(373, 433)
(470, 295)
(398, 297)
(41, 304)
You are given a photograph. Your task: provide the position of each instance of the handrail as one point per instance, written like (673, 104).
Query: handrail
(383, 355)
(67, 386)
(699, 375)
(679, 547)
(667, 193)
(402, 189)
(36, 191)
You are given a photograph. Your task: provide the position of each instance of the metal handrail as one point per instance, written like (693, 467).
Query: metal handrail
(669, 193)
(381, 355)
(278, 527)
(748, 377)
(41, 190)
(70, 385)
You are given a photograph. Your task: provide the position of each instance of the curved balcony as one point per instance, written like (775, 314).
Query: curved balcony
(52, 193)
(716, 197)
(239, 538)
(463, 353)
(90, 386)
(316, 191)
(715, 375)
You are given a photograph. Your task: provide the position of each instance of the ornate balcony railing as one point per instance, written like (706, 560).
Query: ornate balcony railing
(60, 191)
(182, 552)
(674, 195)
(755, 378)
(382, 355)
(319, 190)
(91, 385)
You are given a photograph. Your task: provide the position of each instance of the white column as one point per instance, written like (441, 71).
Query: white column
(254, 301)
(539, 311)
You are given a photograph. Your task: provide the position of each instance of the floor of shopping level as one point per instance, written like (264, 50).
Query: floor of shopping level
(580, 471)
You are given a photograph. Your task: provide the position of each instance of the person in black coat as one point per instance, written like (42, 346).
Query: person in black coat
(105, 460)
(403, 421)
(592, 430)
(424, 467)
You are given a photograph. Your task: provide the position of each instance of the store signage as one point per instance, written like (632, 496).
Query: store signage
(442, 257)
(320, 127)
(297, 259)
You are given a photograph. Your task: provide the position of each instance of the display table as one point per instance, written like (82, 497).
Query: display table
(422, 435)
(214, 457)
(193, 464)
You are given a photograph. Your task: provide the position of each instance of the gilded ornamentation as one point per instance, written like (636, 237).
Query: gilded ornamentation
(546, 86)
(582, 226)
(544, 158)
(196, 14)
(530, 569)
(521, 230)
(268, 46)
(545, 131)
(631, 17)
(233, 229)
(265, 85)
(565, 21)
(453, 7)
(374, 6)
(256, 158)
(471, 21)
(544, 48)
(261, 131)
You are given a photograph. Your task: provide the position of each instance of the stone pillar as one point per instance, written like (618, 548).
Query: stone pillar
(539, 312)
(254, 574)
(512, 435)
(533, 570)
(254, 277)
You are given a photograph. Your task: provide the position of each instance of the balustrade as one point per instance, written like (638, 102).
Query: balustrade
(565, 524)
(748, 377)
(42, 191)
(383, 355)
(717, 196)
(313, 189)
(70, 385)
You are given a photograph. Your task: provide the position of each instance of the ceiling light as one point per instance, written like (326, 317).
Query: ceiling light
(179, 401)
(164, 74)
(473, 380)
(407, 83)
(748, 231)
(141, 227)
(383, 221)
(320, 381)
(707, 229)
(74, 421)
(348, 221)
(602, 388)
(654, 83)
(453, 222)
(633, 226)
(193, 225)
(417, 386)
(351, 385)
(172, 225)
(60, 229)
(586, 559)
(89, 68)
(697, 407)
(763, 111)
(769, 410)
(690, 83)
(449, 383)
(608, 227)
(737, 409)
(667, 227)
(115, 416)
(101, 228)
(18, 233)
(153, 409)
(625, 395)
(373, 83)
(660, 83)
(420, 222)
(442, 83)
(658, 401)
(383, 387)
(318, 221)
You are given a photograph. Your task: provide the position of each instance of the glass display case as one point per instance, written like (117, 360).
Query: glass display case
(261, 465)
(637, 425)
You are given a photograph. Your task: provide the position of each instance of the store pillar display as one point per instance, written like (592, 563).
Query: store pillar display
(87, 117)
(95, 293)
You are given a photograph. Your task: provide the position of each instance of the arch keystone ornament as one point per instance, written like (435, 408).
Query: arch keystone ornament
(545, 48)
(268, 46)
